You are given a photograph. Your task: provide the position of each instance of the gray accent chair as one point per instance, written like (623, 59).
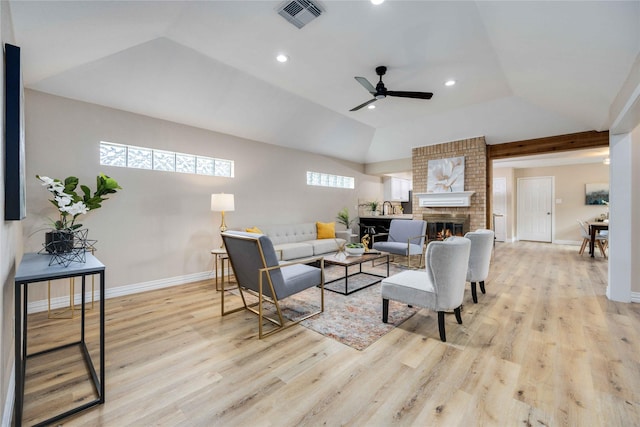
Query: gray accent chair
(258, 271)
(479, 259)
(405, 237)
(439, 287)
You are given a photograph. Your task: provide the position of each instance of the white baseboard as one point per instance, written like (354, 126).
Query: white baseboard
(567, 242)
(635, 296)
(7, 411)
(62, 302)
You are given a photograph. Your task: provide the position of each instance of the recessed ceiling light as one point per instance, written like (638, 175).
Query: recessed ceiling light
(449, 82)
(377, 2)
(371, 107)
(282, 58)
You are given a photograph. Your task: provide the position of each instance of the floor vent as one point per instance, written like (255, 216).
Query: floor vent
(299, 12)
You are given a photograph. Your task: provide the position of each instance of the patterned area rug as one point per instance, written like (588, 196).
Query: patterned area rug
(355, 319)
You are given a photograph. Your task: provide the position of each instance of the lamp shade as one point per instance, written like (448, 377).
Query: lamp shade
(222, 202)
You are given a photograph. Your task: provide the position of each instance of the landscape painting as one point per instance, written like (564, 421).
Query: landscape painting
(597, 194)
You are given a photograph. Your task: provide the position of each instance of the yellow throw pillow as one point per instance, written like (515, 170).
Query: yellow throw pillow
(253, 230)
(326, 230)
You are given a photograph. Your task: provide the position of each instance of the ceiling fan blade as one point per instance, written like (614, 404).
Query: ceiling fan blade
(368, 86)
(364, 105)
(418, 95)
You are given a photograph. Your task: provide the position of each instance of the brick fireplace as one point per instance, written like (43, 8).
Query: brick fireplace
(475, 179)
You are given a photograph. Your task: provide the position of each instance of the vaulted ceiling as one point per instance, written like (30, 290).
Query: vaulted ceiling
(523, 69)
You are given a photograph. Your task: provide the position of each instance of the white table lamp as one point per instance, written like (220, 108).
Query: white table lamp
(220, 203)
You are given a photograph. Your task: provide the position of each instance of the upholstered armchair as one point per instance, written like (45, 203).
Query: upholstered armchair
(439, 287)
(479, 259)
(405, 237)
(258, 272)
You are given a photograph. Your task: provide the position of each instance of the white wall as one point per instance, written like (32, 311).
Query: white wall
(10, 250)
(160, 225)
(569, 181)
(624, 250)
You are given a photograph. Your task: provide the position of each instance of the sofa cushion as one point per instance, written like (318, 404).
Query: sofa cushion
(326, 230)
(323, 246)
(289, 251)
(293, 233)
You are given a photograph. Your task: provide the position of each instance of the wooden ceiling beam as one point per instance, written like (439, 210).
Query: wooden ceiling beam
(569, 142)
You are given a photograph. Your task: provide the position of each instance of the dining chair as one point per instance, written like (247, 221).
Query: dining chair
(601, 239)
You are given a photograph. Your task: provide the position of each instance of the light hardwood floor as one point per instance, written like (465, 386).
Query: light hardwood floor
(543, 347)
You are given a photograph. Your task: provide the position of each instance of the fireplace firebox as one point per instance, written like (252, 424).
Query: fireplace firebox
(443, 225)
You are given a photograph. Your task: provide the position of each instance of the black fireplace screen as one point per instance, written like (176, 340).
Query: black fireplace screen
(441, 226)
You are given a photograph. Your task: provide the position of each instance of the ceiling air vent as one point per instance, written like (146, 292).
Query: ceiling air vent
(299, 12)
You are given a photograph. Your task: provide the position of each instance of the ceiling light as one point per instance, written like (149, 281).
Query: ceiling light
(606, 161)
(449, 82)
(371, 107)
(377, 2)
(282, 58)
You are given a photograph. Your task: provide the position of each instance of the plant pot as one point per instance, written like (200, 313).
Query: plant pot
(58, 242)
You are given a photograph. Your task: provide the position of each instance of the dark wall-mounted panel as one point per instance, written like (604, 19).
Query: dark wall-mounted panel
(14, 178)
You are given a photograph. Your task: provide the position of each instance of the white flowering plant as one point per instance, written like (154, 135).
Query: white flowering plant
(70, 204)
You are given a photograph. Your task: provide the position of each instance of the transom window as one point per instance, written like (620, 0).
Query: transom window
(328, 180)
(130, 156)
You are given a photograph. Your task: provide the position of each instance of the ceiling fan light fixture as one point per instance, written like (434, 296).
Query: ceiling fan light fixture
(450, 82)
(380, 96)
(282, 58)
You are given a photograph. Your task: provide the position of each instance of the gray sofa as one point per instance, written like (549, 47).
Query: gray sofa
(301, 240)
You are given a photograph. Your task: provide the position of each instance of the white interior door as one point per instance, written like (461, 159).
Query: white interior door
(499, 205)
(535, 196)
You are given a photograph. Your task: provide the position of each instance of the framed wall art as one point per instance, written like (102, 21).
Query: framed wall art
(445, 175)
(597, 194)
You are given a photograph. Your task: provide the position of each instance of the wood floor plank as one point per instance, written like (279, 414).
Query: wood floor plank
(543, 347)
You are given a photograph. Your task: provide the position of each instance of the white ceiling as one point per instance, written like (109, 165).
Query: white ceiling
(524, 69)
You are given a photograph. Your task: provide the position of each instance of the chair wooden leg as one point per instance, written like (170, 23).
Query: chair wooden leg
(482, 287)
(457, 313)
(443, 336)
(385, 310)
(601, 247)
(585, 242)
(474, 293)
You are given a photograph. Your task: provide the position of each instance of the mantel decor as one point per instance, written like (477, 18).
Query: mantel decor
(67, 242)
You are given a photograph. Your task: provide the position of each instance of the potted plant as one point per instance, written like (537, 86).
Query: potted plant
(343, 218)
(70, 205)
(373, 207)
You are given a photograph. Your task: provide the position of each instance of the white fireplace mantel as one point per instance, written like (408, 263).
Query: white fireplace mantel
(433, 200)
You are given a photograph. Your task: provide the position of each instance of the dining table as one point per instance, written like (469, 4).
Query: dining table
(594, 228)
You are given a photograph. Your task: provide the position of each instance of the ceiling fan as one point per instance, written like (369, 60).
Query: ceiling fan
(381, 92)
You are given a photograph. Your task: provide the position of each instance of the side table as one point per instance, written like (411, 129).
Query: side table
(220, 256)
(35, 268)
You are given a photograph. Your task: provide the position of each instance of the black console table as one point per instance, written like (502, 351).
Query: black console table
(35, 268)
